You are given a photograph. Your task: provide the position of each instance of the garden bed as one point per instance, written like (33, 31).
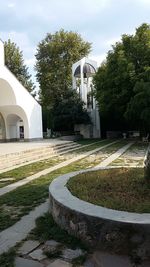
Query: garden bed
(121, 189)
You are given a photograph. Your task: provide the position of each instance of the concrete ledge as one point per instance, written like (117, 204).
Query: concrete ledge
(71, 137)
(95, 225)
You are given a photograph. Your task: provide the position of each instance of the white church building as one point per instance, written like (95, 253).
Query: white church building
(20, 113)
(82, 76)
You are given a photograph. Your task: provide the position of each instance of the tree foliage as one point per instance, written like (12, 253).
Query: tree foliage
(55, 56)
(69, 111)
(15, 62)
(122, 82)
(138, 109)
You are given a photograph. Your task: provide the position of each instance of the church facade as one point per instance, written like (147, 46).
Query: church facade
(20, 113)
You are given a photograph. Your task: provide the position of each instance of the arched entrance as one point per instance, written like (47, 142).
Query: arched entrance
(15, 127)
(2, 128)
(13, 119)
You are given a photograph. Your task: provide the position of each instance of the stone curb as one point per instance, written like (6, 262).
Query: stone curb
(58, 192)
(98, 227)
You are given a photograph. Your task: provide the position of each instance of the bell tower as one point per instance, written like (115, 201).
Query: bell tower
(82, 81)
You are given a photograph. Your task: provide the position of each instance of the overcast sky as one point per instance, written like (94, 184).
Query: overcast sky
(101, 22)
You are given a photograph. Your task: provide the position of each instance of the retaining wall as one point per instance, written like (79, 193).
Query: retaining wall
(99, 227)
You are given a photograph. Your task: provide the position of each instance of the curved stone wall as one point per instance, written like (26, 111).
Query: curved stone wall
(97, 226)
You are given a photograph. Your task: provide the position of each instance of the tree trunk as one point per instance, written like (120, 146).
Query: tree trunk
(147, 167)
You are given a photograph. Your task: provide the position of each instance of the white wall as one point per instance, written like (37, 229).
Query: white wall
(15, 99)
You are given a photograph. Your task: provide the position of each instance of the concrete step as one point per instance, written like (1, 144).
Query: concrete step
(67, 148)
(10, 165)
(33, 156)
(36, 151)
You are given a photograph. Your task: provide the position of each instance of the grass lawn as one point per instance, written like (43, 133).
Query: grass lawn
(27, 170)
(88, 141)
(91, 146)
(114, 147)
(121, 189)
(47, 229)
(7, 259)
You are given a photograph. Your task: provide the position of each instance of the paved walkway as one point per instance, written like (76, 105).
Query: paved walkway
(114, 156)
(16, 233)
(13, 186)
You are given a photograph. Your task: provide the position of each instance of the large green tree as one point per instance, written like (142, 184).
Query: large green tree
(55, 56)
(15, 62)
(123, 79)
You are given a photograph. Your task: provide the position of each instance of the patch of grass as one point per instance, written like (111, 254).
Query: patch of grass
(46, 229)
(121, 189)
(114, 147)
(30, 169)
(88, 141)
(140, 163)
(51, 255)
(7, 259)
(119, 161)
(22, 200)
(92, 146)
(138, 146)
(79, 261)
(5, 218)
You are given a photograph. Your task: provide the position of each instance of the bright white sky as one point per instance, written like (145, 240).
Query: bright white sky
(101, 22)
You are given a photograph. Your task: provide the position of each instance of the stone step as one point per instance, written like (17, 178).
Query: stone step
(4, 167)
(31, 157)
(36, 154)
(67, 148)
(37, 149)
(5, 164)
